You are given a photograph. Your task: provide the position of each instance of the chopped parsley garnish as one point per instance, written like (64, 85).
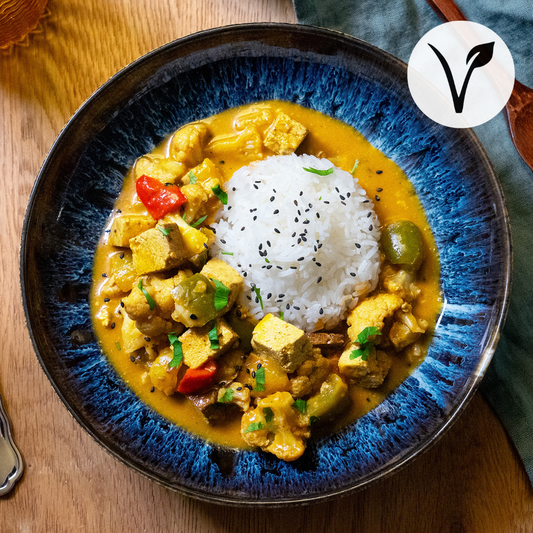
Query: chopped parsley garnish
(257, 291)
(221, 294)
(178, 352)
(184, 217)
(282, 315)
(227, 253)
(268, 414)
(227, 396)
(149, 299)
(254, 426)
(260, 379)
(301, 405)
(192, 178)
(313, 420)
(198, 222)
(117, 344)
(320, 172)
(220, 194)
(164, 231)
(366, 346)
(355, 165)
(213, 337)
(266, 260)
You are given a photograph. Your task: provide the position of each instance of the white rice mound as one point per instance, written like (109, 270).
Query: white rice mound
(308, 244)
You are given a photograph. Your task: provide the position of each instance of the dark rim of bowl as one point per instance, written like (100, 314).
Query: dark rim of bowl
(179, 48)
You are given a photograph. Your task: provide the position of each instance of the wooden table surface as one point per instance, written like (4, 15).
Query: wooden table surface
(472, 480)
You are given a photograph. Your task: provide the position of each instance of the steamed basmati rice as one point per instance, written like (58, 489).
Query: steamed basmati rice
(306, 244)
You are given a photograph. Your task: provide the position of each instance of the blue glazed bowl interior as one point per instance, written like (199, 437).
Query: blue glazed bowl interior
(199, 76)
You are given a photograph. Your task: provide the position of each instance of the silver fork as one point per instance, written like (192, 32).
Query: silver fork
(11, 465)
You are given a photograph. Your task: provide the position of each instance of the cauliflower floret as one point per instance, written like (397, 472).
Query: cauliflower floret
(276, 426)
(406, 329)
(187, 144)
(162, 376)
(237, 394)
(105, 316)
(400, 283)
(310, 375)
(372, 312)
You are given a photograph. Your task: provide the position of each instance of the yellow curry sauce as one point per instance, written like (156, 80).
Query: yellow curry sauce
(394, 199)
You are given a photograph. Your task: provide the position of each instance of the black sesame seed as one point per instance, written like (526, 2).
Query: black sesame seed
(294, 268)
(104, 275)
(366, 201)
(243, 228)
(337, 189)
(229, 207)
(222, 241)
(249, 387)
(379, 171)
(268, 244)
(288, 306)
(326, 202)
(295, 202)
(249, 297)
(352, 274)
(277, 230)
(253, 373)
(261, 246)
(348, 194)
(193, 317)
(320, 246)
(342, 197)
(370, 228)
(255, 218)
(122, 255)
(113, 325)
(272, 198)
(295, 307)
(318, 215)
(276, 211)
(301, 193)
(256, 186)
(238, 313)
(259, 365)
(343, 203)
(147, 339)
(377, 198)
(257, 181)
(281, 268)
(301, 258)
(299, 212)
(296, 219)
(205, 246)
(319, 264)
(234, 189)
(152, 389)
(245, 274)
(238, 388)
(132, 359)
(299, 241)
(268, 267)
(379, 189)
(321, 311)
(357, 245)
(369, 214)
(319, 279)
(304, 239)
(106, 299)
(269, 295)
(294, 234)
(247, 371)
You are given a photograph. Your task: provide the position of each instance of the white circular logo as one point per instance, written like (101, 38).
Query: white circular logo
(461, 74)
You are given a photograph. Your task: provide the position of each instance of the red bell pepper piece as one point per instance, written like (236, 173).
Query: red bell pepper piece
(158, 198)
(198, 379)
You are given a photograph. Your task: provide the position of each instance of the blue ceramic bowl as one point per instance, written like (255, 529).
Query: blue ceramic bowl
(193, 78)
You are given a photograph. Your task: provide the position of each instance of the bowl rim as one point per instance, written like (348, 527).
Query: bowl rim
(491, 337)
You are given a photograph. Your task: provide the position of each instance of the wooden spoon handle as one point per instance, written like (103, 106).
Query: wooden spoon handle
(447, 10)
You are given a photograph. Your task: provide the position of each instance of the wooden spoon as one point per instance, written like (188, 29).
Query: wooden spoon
(518, 111)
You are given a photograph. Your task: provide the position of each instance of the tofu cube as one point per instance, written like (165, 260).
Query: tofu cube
(196, 345)
(157, 250)
(127, 227)
(221, 271)
(370, 373)
(286, 344)
(285, 135)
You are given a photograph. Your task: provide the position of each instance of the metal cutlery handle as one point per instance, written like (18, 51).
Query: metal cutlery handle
(11, 465)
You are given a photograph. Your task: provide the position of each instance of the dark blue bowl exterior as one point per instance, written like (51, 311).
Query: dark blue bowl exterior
(197, 77)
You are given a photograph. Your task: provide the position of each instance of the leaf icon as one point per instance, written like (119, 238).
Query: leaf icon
(484, 55)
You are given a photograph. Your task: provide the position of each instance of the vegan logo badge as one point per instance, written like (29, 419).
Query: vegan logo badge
(461, 74)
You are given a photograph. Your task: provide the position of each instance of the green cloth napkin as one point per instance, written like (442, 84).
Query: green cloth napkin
(396, 26)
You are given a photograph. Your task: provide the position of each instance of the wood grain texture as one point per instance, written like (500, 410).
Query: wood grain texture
(470, 481)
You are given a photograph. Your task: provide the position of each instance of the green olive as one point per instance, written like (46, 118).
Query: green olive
(196, 295)
(402, 244)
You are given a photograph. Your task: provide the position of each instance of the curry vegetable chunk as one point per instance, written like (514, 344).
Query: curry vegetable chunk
(175, 319)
